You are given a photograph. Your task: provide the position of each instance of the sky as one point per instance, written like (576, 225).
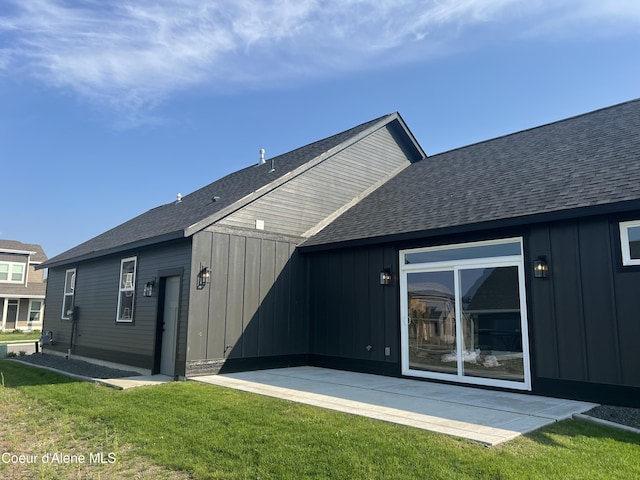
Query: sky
(109, 109)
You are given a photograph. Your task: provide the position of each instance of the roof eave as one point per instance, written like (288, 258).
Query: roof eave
(17, 252)
(111, 251)
(412, 138)
(512, 222)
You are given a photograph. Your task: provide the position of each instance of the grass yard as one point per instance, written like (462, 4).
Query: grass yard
(16, 336)
(191, 430)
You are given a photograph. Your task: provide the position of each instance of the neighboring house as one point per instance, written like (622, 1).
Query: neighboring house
(22, 287)
(511, 263)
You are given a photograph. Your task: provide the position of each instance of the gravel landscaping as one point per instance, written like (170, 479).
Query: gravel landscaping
(77, 367)
(623, 415)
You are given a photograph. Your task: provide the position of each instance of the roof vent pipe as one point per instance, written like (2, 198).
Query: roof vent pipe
(262, 161)
(179, 198)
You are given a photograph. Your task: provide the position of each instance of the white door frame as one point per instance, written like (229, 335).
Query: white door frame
(456, 266)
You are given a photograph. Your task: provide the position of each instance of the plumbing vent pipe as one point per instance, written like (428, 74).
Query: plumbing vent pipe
(262, 160)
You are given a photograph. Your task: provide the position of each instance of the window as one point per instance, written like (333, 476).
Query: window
(69, 289)
(126, 291)
(35, 310)
(630, 242)
(11, 272)
(463, 311)
(464, 252)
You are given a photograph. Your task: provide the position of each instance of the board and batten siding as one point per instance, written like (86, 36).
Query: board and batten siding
(98, 335)
(308, 200)
(354, 319)
(254, 305)
(584, 317)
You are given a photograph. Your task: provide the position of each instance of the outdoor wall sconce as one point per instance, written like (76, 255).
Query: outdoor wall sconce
(385, 277)
(204, 275)
(540, 267)
(148, 288)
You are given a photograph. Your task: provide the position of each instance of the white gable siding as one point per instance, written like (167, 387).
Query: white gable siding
(307, 201)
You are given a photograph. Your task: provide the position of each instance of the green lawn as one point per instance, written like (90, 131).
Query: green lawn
(15, 336)
(191, 430)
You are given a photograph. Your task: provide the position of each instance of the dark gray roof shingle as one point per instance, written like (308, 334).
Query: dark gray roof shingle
(584, 161)
(173, 220)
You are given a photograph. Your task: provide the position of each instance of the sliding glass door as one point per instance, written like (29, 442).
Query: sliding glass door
(464, 314)
(432, 321)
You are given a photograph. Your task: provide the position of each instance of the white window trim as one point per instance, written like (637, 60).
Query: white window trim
(10, 272)
(64, 292)
(454, 265)
(32, 310)
(132, 281)
(627, 261)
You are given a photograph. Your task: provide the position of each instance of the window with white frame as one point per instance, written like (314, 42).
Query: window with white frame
(69, 290)
(12, 272)
(35, 311)
(126, 291)
(630, 242)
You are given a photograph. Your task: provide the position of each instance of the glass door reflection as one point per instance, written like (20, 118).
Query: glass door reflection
(432, 321)
(491, 323)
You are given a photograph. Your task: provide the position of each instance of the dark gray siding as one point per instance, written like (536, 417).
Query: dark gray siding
(254, 305)
(584, 318)
(53, 309)
(98, 335)
(307, 200)
(352, 316)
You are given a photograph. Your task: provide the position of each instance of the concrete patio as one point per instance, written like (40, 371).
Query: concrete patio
(126, 383)
(489, 417)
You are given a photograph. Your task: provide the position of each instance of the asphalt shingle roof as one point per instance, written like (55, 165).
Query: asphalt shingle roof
(174, 219)
(37, 256)
(584, 161)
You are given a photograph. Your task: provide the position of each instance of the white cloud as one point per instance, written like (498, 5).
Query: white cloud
(129, 56)
(588, 18)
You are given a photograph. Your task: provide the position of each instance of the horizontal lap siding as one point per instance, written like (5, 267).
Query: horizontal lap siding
(584, 317)
(53, 310)
(96, 297)
(35, 276)
(13, 257)
(23, 312)
(306, 200)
